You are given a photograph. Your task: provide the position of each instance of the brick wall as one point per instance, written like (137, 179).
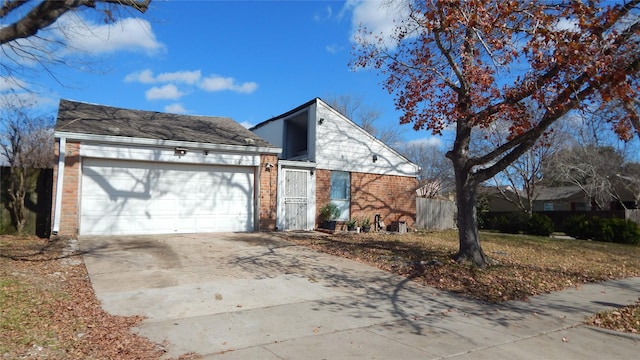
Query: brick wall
(268, 192)
(393, 197)
(70, 187)
(323, 186)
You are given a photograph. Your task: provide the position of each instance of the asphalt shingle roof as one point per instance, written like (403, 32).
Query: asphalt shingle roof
(84, 118)
(556, 193)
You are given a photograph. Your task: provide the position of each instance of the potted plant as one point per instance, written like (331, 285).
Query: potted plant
(329, 213)
(366, 224)
(351, 224)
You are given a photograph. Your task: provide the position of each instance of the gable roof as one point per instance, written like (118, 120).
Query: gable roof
(319, 101)
(84, 118)
(547, 193)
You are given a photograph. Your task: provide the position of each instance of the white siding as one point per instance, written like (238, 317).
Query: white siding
(135, 197)
(342, 145)
(121, 152)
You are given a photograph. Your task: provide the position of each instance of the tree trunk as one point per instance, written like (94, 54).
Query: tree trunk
(466, 196)
(17, 192)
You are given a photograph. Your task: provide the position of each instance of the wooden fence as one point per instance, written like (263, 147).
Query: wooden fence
(37, 202)
(432, 214)
(633, 215)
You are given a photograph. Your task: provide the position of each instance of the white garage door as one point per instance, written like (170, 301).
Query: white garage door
(133, 197)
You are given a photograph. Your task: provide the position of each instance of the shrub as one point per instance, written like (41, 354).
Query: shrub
(329, 212)
(482, 212)
(600, 229)
(625, 231)
(578, 227)
(512, 223)
(539, 225)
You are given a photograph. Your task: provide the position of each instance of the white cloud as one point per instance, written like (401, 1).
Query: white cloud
(29, 99)
(380, 18)
(11, 83)
(326, 15)
(169, 92)
(187, 77)
(332, 49)
(247, 124)
(219, 83)
(146, 77)
(425, 142)
(93, 38)
(175, 108)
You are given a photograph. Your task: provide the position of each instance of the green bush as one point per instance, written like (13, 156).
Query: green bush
(578, 227)
(512, 223)
(625, 231)
(539, 225)
(600, 229)
(482, 212)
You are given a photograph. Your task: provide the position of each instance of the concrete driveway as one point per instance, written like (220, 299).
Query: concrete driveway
(256, 296)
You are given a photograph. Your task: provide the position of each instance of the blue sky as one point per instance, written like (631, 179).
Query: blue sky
(248, 60)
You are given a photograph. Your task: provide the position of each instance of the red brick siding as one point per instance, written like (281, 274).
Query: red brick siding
(268, 193)
(323, 187)
(393, 197)
(70, 188)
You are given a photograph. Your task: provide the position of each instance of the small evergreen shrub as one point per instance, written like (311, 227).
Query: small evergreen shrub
(578, 227)
(625, 231)
(600, 229)
(482, 212)
(539, 225)
(512, 223)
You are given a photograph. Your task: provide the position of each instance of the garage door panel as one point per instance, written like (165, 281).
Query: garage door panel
(129, 197)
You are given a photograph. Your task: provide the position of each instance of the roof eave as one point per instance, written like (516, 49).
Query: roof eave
(124, 140)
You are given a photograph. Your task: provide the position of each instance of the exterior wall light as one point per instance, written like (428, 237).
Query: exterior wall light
(180, 151)
(321, 121)
(375, 157)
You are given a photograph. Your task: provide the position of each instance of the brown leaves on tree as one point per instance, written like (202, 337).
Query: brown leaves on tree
(469, 63)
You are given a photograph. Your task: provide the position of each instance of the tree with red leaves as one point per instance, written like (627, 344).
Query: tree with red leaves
(467, 63)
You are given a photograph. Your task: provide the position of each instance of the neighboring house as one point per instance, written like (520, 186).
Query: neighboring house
(560, 198)
(139, 172)
(554, 198)
(572, 198)
(328, 158)
(496, 201)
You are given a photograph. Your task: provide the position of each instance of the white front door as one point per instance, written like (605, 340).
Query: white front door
(136, 197)
(296, 198)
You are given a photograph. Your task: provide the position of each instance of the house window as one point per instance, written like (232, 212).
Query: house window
(340, 192)
(548, 206)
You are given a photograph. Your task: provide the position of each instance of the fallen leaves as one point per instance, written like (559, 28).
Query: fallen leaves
(626, 319)
(50, 310)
